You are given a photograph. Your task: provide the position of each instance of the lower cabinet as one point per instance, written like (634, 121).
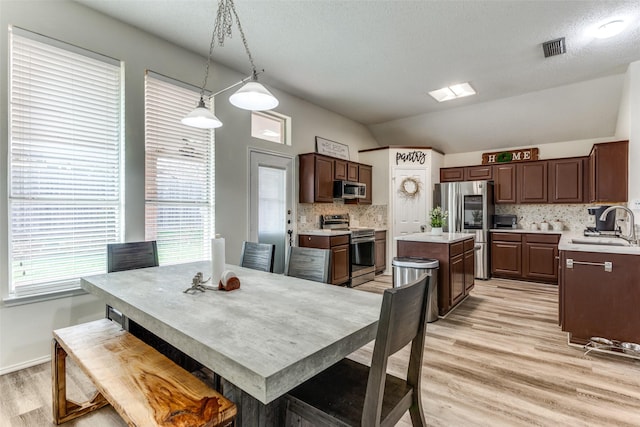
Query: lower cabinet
(526, 256)
(456, 273)
(381, 251)
(340, 257)
(598, 299)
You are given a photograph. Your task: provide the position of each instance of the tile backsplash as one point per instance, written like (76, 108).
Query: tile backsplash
(374, 216)
(574, 216)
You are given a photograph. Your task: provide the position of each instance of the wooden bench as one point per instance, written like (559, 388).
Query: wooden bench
(142, 385)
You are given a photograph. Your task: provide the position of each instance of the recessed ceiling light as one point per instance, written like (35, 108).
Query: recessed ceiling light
(610, 29)
(452, 92)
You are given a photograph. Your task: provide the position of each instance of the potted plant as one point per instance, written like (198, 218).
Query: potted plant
(438, 216)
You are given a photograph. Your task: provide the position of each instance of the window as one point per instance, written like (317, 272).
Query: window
(271, 126)
(179, 173)
(65, 146)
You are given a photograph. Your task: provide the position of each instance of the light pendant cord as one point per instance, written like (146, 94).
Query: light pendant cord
(221, 29)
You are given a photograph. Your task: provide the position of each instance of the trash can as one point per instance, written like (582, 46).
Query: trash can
(408, 269)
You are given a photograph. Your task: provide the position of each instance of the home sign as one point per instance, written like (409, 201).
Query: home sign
(522, 155)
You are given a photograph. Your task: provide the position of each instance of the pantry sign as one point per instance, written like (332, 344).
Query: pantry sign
(522, 155)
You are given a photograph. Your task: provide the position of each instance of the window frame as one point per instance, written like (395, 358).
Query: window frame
(285, 126)
(55, 287)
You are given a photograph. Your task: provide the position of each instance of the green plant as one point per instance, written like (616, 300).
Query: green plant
(438, 216)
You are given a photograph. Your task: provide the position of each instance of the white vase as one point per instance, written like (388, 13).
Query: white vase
(436, 231)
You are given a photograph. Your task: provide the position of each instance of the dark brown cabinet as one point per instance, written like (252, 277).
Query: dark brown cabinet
(469, 265)
(506, 255)
(540, 257)
(456, 270)
(340, 257)
(566, 180)
(381, 251)
(608, 172)
(527, 256)
(478, 173)
(316, 178)
(596, 301)
(532, 182)
(340, 170)
(504, 177)
(467, 173)
(451, 174)
(353, 172)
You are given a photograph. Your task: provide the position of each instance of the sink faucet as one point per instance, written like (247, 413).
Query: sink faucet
(631, 235)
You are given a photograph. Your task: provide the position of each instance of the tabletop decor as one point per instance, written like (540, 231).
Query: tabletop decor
(410, 187)
(438, 216)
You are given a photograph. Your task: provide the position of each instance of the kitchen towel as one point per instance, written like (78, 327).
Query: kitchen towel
(217, 259)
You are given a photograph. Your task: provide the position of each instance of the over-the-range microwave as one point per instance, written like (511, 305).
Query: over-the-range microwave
(349, 190)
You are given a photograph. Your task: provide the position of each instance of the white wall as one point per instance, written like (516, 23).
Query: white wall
(25, 330)
(629, 128)
(554, 150)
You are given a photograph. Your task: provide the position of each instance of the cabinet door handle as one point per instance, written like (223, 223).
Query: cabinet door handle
(608, 265)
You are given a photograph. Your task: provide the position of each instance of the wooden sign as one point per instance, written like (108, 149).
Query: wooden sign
(522, 155)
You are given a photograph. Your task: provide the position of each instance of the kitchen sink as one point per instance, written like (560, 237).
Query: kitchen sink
(604, 241)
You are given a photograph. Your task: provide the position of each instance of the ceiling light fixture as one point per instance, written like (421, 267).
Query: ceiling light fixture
(252, 96)
(452, 92)
(610, 29)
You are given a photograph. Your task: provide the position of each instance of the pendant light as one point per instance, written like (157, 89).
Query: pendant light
(252, 96)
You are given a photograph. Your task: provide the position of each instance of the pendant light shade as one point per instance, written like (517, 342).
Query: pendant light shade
(253, 96)
(201, 118)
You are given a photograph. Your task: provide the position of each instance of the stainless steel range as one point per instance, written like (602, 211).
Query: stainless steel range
(362, 247)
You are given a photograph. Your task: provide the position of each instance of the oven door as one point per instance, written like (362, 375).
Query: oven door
(363, 260)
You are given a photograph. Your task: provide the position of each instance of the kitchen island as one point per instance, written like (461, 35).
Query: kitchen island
(263, 339)
(599, 289)
(455, 252)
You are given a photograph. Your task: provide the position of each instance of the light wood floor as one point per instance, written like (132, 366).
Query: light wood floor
(499, 359)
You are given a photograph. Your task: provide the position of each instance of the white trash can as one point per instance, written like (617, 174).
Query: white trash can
(409, 269)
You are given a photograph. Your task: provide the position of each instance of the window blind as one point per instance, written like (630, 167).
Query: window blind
(64, 163)
(179, 173)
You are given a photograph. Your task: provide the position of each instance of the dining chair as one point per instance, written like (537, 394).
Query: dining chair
(309, 263)
(129, 256)
(352, 394)
(258, 256)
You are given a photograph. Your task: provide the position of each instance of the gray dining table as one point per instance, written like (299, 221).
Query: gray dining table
(263, 339)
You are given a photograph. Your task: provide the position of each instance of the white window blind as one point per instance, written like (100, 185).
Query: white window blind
(64, 163)
(179, 173)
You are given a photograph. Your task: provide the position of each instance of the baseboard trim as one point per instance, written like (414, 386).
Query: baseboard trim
(25, 365)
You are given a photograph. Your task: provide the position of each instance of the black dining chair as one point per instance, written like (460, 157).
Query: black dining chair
(309, 263)
(258, 256)
(352, 394)
(129, 256)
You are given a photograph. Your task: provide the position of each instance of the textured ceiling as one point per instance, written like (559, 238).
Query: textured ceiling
(374, 61)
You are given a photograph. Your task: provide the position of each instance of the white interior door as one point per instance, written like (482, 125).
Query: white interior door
(409, 213)
(271, 202)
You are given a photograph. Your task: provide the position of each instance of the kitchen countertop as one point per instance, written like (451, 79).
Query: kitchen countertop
(523, 230)
(432, 238)
(327, 232)
(566, 244)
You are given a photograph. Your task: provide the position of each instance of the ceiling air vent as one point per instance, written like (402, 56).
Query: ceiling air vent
(554, 47)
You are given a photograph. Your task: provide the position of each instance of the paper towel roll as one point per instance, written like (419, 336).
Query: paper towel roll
(217, 259)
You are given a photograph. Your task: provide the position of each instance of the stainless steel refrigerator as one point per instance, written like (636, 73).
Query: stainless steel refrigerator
(470, 207)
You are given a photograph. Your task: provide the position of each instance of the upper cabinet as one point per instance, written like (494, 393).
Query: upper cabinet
(566, 180)
(478, 173)
(600, 178)
(504, 177)
(316, 178)
(318, 172)
(532, 182)
(608, 172)
(451, 174)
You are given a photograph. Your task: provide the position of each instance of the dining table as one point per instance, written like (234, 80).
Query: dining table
(263, 339)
